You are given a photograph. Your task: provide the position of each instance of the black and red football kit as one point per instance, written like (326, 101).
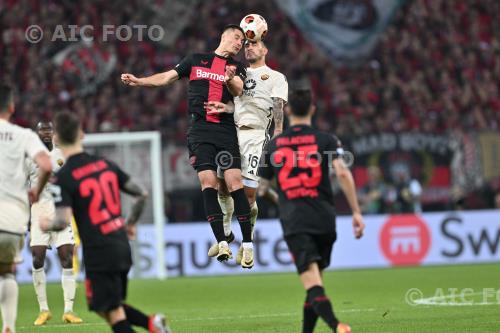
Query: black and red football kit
(91, 187)
(209, 135)
(301, 158)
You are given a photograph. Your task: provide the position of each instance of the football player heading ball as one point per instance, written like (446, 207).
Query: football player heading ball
(264, 96)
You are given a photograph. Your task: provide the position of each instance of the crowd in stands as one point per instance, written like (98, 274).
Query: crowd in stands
(436, 68)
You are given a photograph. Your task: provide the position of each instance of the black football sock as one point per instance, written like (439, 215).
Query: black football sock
(322, 306)
(214, 213)
(230, 238)
(310, 317)
(122, 327)
(242, 212)
(136, 317)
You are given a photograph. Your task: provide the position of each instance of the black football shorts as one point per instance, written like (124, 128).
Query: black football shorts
(105, 291)
(209, 156)
(309, 248)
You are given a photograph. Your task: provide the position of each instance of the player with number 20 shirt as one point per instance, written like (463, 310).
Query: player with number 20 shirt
(88, 187)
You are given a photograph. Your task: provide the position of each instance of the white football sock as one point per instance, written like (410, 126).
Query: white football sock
(254, 212)
(226, 203)
(68, 282)
(40, 284)
(223, 243)
(9, 292)
(247, 245)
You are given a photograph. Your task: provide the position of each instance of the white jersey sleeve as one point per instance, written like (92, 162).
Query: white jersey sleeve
(280, 87)
(254, 107)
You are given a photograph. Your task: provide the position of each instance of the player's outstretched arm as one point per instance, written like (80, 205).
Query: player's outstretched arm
(156, 80)
(62, 220)
(42, 159)
(141, 195)
(346, 182)
(278, 105)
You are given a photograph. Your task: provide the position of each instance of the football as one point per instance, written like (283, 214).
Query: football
(254, 26)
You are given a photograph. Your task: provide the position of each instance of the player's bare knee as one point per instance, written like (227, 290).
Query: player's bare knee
(222, 189)
(311, 277)
(66, 261)
(251, 194)
(38, 253)
(38, 262)
(208, 179)
(233, 179)
(115, 315)
(65, 253)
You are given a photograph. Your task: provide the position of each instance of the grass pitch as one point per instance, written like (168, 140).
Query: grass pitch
(370, 301)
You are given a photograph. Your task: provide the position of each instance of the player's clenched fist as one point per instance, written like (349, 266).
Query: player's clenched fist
(230, 73)
(130, 79)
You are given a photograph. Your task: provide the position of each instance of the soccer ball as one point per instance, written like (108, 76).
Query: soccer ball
(254, 26)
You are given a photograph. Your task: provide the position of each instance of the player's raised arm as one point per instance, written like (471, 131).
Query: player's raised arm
(346, 182)
(155, 80)
(233, 82)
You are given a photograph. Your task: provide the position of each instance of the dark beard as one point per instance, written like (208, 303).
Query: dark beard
(49, 145)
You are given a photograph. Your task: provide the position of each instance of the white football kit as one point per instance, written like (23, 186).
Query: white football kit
(253, 116)
(46, 207)
(16, 145)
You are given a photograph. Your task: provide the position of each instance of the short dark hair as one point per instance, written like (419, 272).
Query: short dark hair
(257, 41)
(67, 126)
(300, 97)
(233, 27)
(6, 97)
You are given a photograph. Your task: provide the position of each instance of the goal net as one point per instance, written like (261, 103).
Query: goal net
(139, 155)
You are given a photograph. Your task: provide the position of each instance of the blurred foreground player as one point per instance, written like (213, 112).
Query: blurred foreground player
(89, 187)
(300, 159)
(212, 138)
(63, 240)
(16, 145)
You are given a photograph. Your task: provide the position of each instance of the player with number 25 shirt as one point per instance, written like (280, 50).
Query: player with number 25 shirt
(301, 159)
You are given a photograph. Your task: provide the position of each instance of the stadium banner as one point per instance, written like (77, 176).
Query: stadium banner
(475, 161)
(420, 156)
(344, 29)
(429, 239)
